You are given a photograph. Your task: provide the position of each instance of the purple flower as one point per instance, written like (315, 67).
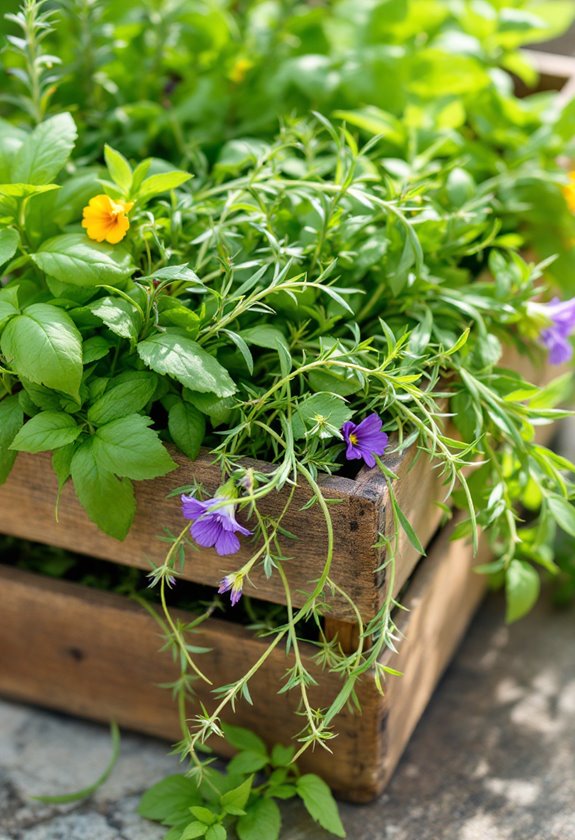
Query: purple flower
(233, 582)
(365, 439)
(213, 526)
(556, 337)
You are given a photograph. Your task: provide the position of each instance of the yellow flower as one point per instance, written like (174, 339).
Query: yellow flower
(239, 70)
(106, 219)
(569, 192)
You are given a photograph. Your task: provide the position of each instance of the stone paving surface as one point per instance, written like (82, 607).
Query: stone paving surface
(492, 759)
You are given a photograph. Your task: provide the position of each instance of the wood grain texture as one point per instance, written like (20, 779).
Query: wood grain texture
(95, 654)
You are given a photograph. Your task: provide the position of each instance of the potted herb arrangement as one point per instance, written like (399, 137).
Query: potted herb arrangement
(266, 325)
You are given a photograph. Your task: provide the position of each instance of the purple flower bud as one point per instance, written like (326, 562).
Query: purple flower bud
(556, 337)
(214, 528)
(365, 440)
(233, 582)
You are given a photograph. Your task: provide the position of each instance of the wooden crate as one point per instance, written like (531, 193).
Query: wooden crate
(95, 654)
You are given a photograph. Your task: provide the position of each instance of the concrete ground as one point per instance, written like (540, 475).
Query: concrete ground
(492, 759)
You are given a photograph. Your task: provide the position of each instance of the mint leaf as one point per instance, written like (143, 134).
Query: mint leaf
(282, 756)
(216, 832)
(193, 830)
(119, 316)
(127, 397)
(11, 419)
(44, 151)
(562, 512)
(178, 356)
(109, 501)
(44, 346)
(73, 258)
(244, 739)
(118, 167)
(522, 587)
(262, 819)
(169, 801)
(9, 241)
(319, 803)
(187, 427)
(47, 430)
(325, 413)
(247, 761)
(128, 448)
(238, 796)
(156, 184)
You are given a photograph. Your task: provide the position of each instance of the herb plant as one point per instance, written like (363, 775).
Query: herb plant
(255, 245)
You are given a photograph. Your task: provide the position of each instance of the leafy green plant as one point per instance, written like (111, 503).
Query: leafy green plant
(254, 245)
(243, 797)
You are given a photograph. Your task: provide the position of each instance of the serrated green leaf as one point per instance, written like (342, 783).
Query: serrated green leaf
(262, 820)
(45, 151)
(169, 801)
(238, 796)
(522, 587)
(9, 241)
(11, 420)
(119, 316)
(563, 512)
(109, 501)
(118, 167)
(319, 803)
(73, 258)
(327, 412)
(178, 356)
(46, 431)
(127, 397)
(128, 448)
(187, 426)
(44, 346)
(156, 184)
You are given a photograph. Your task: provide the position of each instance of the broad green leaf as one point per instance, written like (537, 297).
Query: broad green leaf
(24, 190)
(247, 761)
(178, 356)
(563, 512)
(203, 814)
(129, 449)
(169, 801)
(216, 832)
(9, 241)
(156, 184)
(522, 587)
(119, 316)
(127, 397)
(46, 431)
(262, 820)
(73, 258)
(44, 346)
(326, 412)
(282, 756)
(109, 501)
(376, 122)
(193, 830)
(95, 348)
(11, 419)
(45, 151)
(319, 803)
(238, 796)
(187, 426)
(244, 739)
(119, 168)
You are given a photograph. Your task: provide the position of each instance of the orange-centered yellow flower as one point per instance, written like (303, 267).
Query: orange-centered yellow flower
(105, 218)
(569, 192)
